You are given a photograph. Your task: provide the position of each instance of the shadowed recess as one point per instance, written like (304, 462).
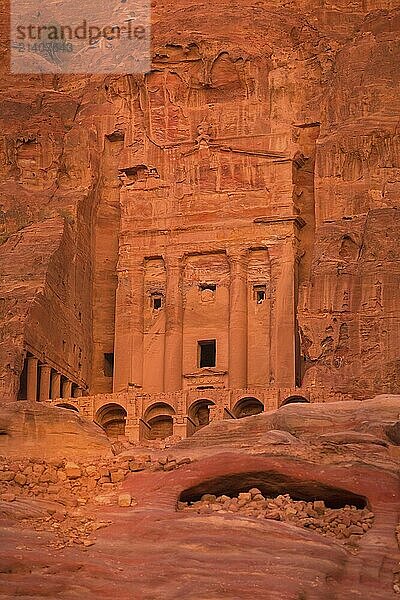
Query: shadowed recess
(295, 400)
(112, 418)
(67, 406)
(273, 484)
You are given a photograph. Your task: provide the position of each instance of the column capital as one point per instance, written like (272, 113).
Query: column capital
(173, 261)
(236, 254)
(136, 260)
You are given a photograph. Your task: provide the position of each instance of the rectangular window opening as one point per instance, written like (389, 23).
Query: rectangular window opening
(156, 301)
(207, 353)
(108, 364)
(260, 293)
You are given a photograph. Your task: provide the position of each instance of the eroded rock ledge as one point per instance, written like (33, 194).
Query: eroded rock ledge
(121, 512)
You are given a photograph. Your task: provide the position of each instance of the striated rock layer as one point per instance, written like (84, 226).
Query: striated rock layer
(151, 549)
(31, 430)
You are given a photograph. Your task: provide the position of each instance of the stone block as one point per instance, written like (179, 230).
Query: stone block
(208, 498)
(135, 465)
(124, 499)
(20, 478)
(170, 466)
(72, 470)
(117, 476)
(104, 480)
(319, 507)
(91, 470)
(107, 487)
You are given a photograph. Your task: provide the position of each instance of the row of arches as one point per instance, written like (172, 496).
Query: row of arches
(159, 417)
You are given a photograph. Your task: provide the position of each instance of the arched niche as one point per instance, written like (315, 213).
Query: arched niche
(112, 417)
(247, 407)
(295, 399)
(199, 412)
(159, 418)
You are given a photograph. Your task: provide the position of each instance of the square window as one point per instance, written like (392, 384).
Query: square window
(260, 296)
(207, 353)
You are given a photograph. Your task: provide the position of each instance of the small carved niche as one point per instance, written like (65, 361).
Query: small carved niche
(348, 249)
(207, 291)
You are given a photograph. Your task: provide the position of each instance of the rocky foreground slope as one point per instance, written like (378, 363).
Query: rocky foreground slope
(300, 503)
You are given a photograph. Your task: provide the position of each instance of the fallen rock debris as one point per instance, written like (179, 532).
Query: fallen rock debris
(347, 523)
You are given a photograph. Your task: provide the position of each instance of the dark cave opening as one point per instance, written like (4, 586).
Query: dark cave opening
(272, 484)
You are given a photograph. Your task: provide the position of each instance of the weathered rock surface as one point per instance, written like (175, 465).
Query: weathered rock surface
(371, 421)
(322, 76)
(35, 430)
(150, 549)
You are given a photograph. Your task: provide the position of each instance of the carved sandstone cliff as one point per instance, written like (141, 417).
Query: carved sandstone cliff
(315, 81)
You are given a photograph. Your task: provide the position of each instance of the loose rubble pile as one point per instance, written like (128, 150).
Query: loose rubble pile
(74, 484)
(119, 446)
(70, 530)
(345, 524)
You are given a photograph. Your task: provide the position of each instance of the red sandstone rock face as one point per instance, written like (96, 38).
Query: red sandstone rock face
(322, 79)
(349, 311)
(37, 431)
(153, 550)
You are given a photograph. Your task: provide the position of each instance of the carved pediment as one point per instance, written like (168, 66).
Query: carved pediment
(206, 372)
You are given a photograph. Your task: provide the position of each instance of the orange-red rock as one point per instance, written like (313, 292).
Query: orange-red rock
(37, 431)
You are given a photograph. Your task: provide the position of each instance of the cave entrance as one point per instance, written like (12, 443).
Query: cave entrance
(272, 484)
